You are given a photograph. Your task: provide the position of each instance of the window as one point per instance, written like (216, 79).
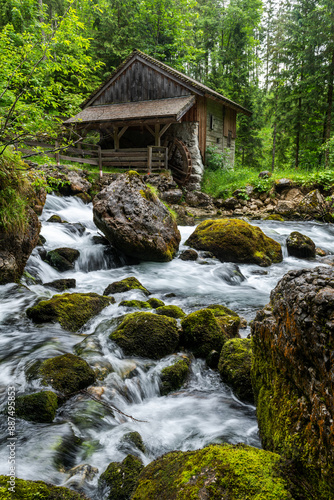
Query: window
(229, 139)
(211, 122)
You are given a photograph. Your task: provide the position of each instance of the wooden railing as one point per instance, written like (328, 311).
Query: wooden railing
(151, 158)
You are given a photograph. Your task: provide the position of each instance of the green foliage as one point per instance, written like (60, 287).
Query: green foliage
(216, 160)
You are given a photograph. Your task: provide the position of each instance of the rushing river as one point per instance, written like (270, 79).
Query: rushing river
(84, 432)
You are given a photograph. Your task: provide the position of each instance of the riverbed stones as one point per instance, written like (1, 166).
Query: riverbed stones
(147, 335)
(125, 285)
(62, 259)
(155, 303)
(233, 240)
(71, 310)
(189, 254)
(313, 205)
(138, 304)
(301, 246)
(37, 407)
(62, 284)
(234, 367)
(135, 221)
(174, 376)
(224, 471)
(121, 478)
(293, 373)
(66, 373)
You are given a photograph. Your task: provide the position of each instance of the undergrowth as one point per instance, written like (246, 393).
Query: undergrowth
(222, 183)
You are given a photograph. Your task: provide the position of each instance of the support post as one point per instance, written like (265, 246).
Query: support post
(149, 159)
(116, 138)
(157, 134)
(166, 158)
(100, 161)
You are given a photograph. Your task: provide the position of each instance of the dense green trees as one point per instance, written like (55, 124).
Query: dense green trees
(275, 58)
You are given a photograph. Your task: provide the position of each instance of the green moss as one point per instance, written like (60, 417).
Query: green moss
(138, 304)
(174, 376)
(155, 303)
(133, 439)
(233, 240)
(201, 333)
(71, 310)
(62, 259)
(35, 490)
(217, 472)
(38, 407)
(66, 373)
(149, 194)
(147, 335)
(274, 217)
(234, 367)
(170, 311)
(125, 285)
(228, 320)
(121, 478)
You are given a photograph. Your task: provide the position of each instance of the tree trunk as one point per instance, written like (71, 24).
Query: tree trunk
(328, 118)
(274, 147)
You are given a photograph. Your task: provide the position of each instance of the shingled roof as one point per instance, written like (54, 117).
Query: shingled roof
(194, 85)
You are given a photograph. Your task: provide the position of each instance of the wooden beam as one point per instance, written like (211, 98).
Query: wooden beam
(157, 134)
(116, 139)
(163, 130)
(150, 130)
(124, 129)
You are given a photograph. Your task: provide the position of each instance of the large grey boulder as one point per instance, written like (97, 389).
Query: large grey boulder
(135, 221)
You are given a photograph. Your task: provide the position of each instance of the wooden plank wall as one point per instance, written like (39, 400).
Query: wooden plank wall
(230, 122)
(139, 82)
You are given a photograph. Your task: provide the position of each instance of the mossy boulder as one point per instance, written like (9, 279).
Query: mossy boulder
(189, 254)
(174, 376)
(125, 285)
(38, 407)
(62, 259)
(301, 246)
(55, 218)
(71, 310)
(138, 304)
(135, 221)
(147, 335)
(292, 376)
(171, 311)
(233, 240)
(228, 320)
(62, 284)
(201, 333)
(224, 472)
(132, 439)
(155, 303)
(276, 217)
(235, 366)
(35, 490)
(66, 373)
(121, 478)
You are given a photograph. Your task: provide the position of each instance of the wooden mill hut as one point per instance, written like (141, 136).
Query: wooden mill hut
(151, 116)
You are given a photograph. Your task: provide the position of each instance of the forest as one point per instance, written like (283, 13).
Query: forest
(275, 58)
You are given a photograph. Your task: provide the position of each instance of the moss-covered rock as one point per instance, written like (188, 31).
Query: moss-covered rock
(147, 335)
(228, 320)
(276, 217)
(121, 478)
(301, 246)
(171, 311)
(62, 259)
(35, 490)
(132, 439)
(62, 284)
(233, 240)
(201, 333)
(71, 310)
(138, 304)
(55, 218)
(235, 365)
(189, 254)
(292, 376)
(38, 407)
(66, 373)
(125, 285)
(174, 376)
(219, 472)
(155, 303)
